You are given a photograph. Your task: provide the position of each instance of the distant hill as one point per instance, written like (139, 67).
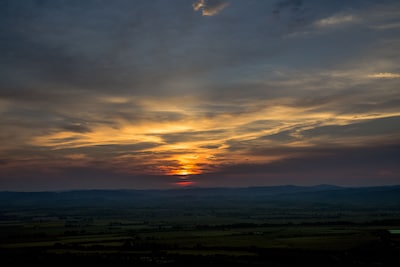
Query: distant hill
(271, 196)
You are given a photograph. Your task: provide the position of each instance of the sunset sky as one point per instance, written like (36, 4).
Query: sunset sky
(169, 93)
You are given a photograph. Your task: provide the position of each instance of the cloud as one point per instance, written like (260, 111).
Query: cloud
(336, 20)
(387, 26)
(385, 75)
(193, 136)
(356, 132)
(312, 165)
(210, 7)
(199, 4)
(77, 127)
(174, 93)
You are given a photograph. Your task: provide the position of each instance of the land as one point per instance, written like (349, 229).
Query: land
(260, 226)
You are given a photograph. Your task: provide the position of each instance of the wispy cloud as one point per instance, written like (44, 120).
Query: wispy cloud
(385, 75)
(336, 20)
(199, 4)
(387, 26)
(209, 7)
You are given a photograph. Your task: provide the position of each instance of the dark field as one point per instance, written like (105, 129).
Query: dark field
(268, 226)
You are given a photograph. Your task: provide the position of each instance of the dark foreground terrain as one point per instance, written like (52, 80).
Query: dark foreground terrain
(261, 226)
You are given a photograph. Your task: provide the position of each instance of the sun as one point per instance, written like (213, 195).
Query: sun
(184, 166)
(185, 171)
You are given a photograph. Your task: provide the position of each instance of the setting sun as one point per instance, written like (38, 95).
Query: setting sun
(182, 172)
(186, 170)
(185, 164)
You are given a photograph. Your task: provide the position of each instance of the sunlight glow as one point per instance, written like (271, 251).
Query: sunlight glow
(184, 183)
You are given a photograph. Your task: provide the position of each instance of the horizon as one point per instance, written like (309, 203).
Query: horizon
(219, 93)
(188, 188)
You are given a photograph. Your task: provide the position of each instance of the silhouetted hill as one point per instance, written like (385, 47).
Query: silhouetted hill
(287, 195)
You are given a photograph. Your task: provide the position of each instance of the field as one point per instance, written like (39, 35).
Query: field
(104, 228)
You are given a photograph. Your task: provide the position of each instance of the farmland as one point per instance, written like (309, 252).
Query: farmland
(258, 226)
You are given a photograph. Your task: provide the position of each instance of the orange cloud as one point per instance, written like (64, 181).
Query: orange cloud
(385, 75)
(209, 8)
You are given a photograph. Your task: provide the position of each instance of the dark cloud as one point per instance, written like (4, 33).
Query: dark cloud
(87, 45)
(258, 126)
(384, 127)
(57, 141)
(323, 136)
(109, 150)
(101, 47)
(373, 127)
(333, 164)
(80, 178)
(44, 99)
(193, 136)
(78, 128)
(210, 146)
(283, 136)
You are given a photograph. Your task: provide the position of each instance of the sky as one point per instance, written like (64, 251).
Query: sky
(206, 93)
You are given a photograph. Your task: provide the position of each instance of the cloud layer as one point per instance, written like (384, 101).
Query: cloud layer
(151, 94)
